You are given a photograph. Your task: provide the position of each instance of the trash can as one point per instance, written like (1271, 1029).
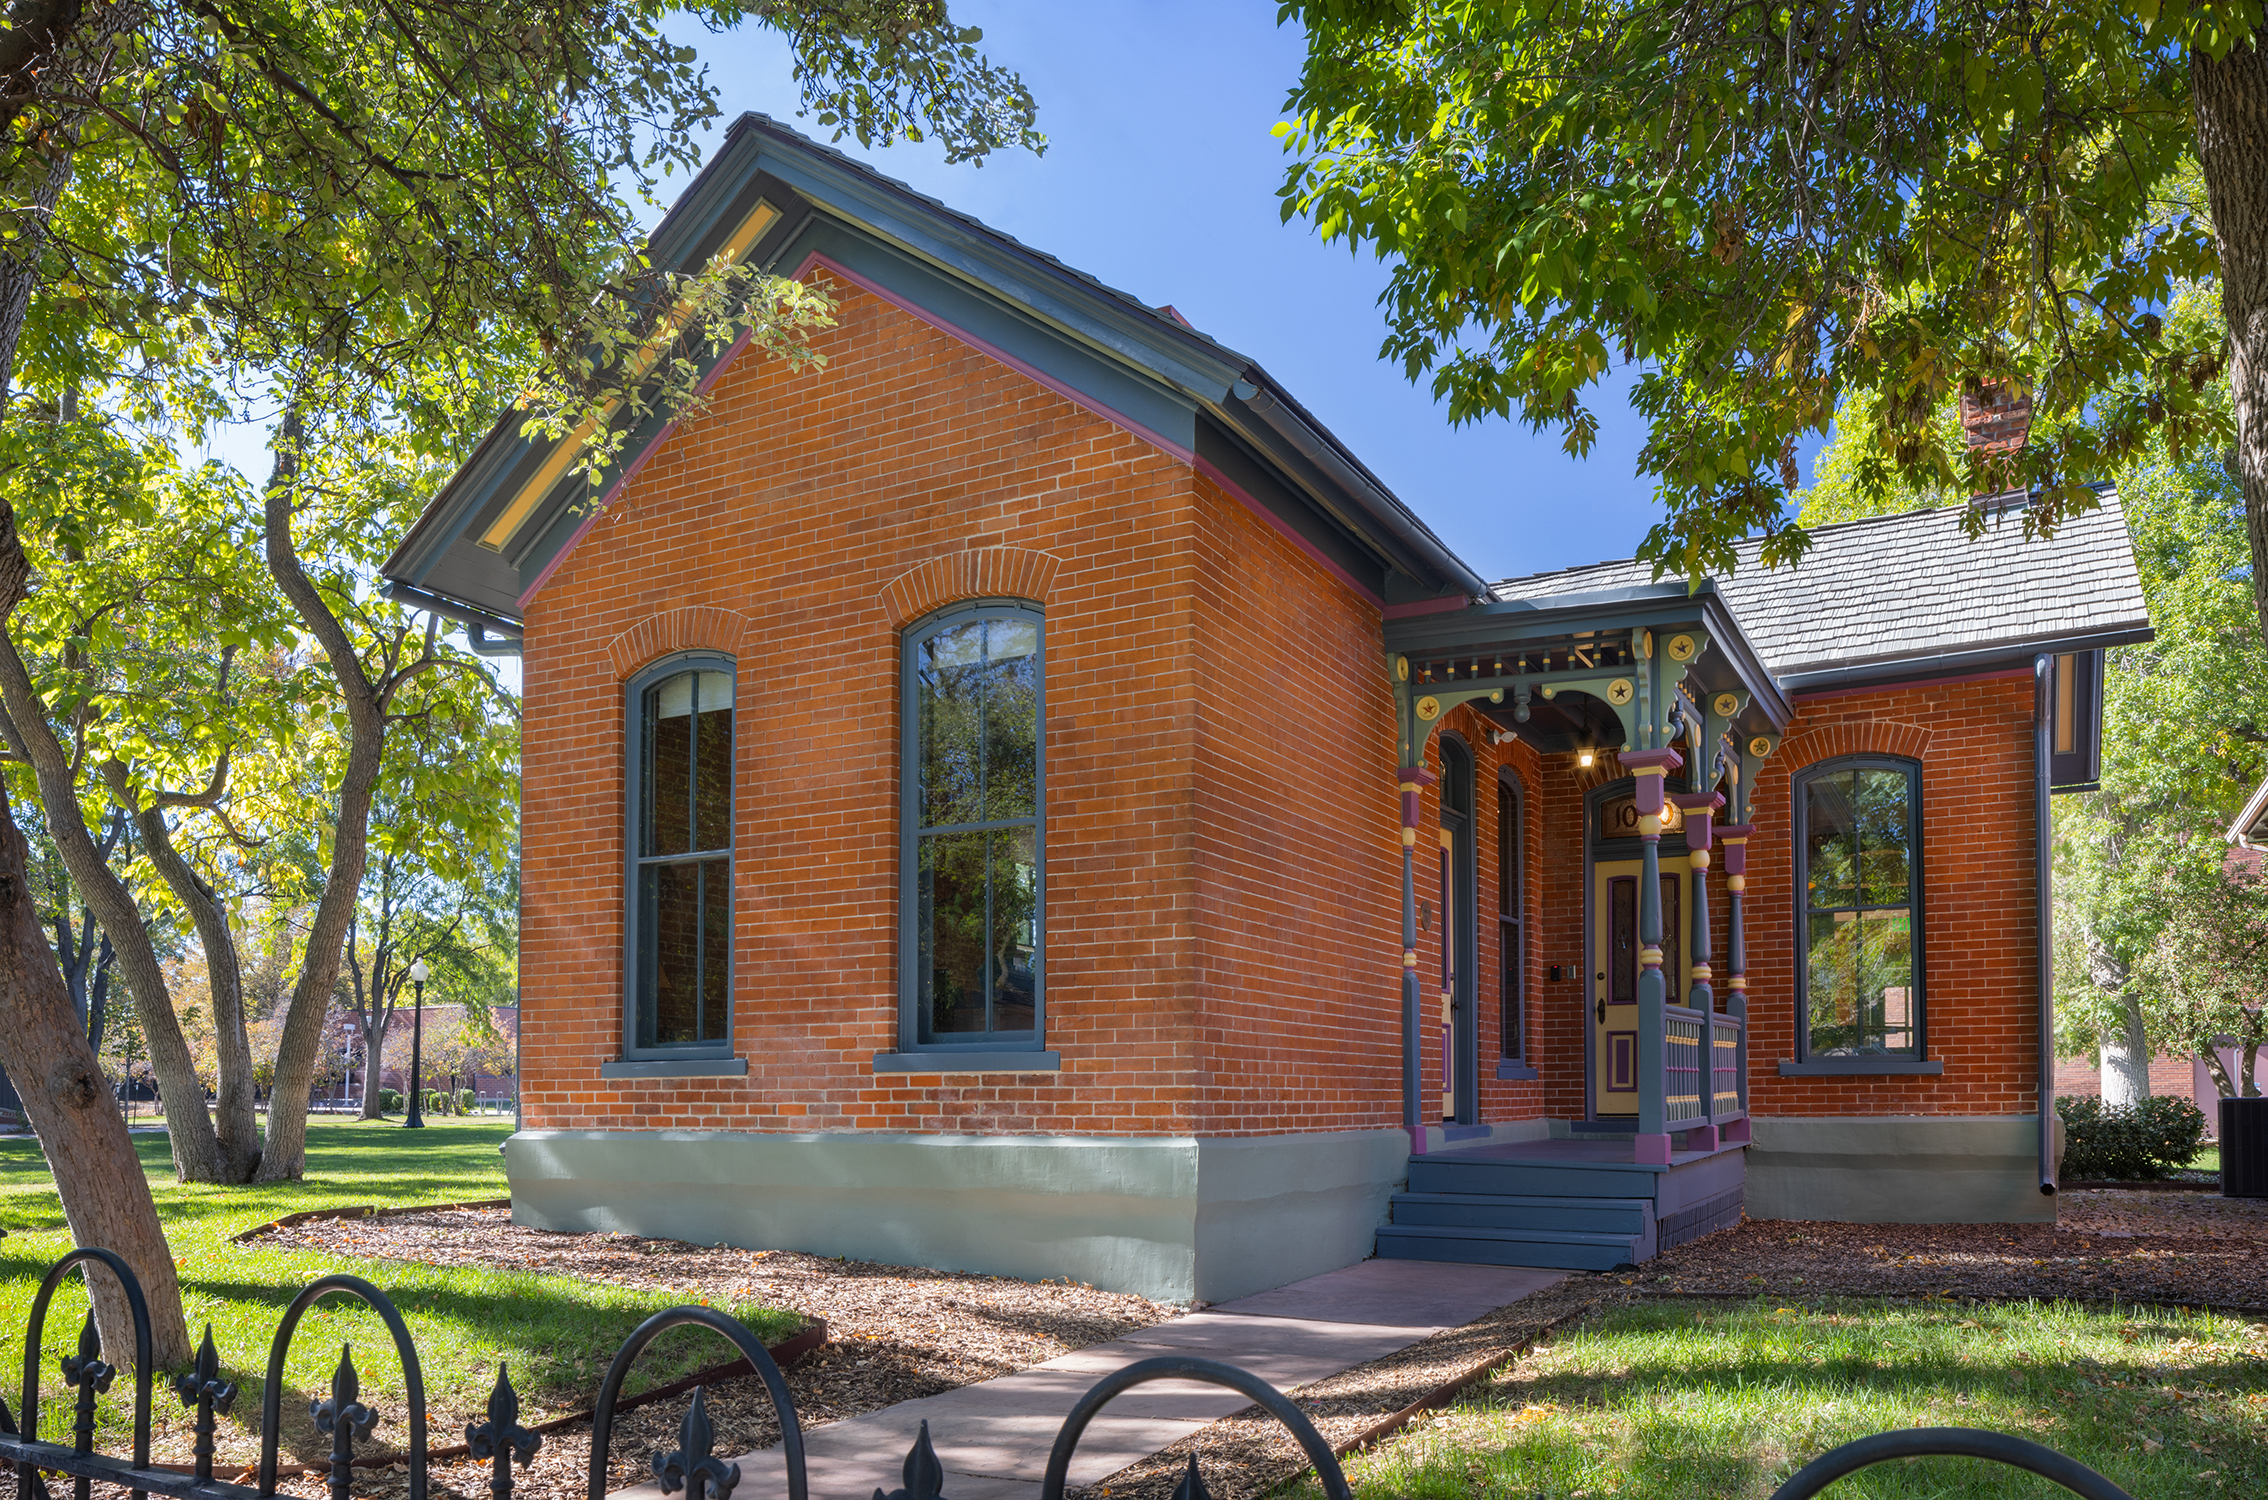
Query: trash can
(2244, 1148)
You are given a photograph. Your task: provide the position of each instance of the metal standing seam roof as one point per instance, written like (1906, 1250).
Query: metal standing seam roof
(1899, 588)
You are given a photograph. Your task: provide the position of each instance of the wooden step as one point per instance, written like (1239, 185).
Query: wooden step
(1563, 1250)
(1622, 1216)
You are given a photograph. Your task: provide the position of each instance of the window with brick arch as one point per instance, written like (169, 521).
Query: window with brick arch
(972, 829)
(680, 762)
(1858, 860)
(1511, 906)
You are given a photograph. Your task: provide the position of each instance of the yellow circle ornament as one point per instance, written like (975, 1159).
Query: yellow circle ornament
(1760, 747)
(1621, 691)
(1429, 708)
(1681, 648)
(1726, 705)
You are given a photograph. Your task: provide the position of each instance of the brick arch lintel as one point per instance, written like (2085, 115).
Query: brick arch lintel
(692, 627)
(1865, 737)
(976, 573)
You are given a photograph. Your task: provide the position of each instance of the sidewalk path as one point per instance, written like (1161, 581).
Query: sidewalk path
(993, 1438)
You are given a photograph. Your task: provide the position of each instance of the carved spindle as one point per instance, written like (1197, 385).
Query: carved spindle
(694, 1466)
(501, 1437)
(1192, 1486)
(345, 1418)
(925, 1476)
(203, 1388)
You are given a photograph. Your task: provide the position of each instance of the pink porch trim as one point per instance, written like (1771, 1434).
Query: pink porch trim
(1425, 607)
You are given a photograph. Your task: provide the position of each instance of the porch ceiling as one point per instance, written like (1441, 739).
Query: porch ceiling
(1554, 662)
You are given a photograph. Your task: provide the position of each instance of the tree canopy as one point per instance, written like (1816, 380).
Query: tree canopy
(1779, 213)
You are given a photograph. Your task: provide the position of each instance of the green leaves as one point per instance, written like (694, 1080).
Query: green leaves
(1774, 212)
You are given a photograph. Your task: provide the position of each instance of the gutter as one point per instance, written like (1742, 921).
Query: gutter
(1311, 443)
(2043, 909)
(1889, 671)
(489, 635)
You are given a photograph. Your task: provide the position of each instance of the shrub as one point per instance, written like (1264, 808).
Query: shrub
(389, 1101)
(2155, 1138)
(466, 1103)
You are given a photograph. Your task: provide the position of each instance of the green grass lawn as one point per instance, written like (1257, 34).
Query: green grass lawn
(2207, 1159)
(557, 1334)
(1668, 1401)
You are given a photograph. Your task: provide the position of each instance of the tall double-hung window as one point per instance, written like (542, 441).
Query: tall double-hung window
(1859, 907)
(680, 762)
(972, 857)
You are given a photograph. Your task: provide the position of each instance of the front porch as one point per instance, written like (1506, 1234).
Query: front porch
(1571, 1203)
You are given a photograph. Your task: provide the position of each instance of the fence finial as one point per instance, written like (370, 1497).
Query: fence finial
(502, 1436)
(693, 1466)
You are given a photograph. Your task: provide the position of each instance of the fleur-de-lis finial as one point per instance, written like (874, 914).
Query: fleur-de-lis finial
(925, 1476)
(86, 1367)
(693, 1467)
(345, 1418)
(502, 1437)
(1192, 1486)
(203, 1388)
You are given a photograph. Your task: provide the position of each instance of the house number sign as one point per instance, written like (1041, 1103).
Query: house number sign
(1619, 819)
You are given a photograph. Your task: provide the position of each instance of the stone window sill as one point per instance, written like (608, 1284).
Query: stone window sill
(1860, 1067)
(968, 1062)
(1513, 1068)
(675, 1067)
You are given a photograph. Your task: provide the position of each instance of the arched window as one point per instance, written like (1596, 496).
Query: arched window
(680, 766)
(972, 851)
(1859, 909)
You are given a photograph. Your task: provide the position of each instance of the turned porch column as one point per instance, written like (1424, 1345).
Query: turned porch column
(1700, 809)
(1413, 780)
(1735, 837)
(1647, 768)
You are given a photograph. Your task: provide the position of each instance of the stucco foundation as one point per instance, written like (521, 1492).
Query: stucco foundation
(1171, 1217)
(1899, 1169)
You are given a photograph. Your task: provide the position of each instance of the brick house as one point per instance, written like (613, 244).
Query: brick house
(1023, 796)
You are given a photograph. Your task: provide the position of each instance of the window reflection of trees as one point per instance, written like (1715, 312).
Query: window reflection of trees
(1861, 983)
(977, 866)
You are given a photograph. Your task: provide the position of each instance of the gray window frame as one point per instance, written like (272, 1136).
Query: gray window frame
(1799, 804)
(989, 1051)
(695, 1058)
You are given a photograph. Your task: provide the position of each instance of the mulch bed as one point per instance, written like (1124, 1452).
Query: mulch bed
(895, 1333)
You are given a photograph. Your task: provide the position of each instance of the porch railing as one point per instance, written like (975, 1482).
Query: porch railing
(693, 1465)
(1704, 1080)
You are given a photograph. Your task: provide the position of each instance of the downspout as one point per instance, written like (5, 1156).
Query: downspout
(2043, 910)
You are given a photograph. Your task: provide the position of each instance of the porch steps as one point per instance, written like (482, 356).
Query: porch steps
(1578, 1205)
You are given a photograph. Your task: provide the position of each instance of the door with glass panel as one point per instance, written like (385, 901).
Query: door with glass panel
(1614, 974)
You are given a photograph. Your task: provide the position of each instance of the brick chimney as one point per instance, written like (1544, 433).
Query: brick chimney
(1997, 421)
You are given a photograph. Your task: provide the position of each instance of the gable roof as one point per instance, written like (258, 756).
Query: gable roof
(784, 203)
(1909, 595)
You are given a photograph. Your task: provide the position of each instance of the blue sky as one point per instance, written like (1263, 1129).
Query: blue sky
(1160, 178)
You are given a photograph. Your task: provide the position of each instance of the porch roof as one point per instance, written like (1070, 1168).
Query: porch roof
(1549, 667)
(1911, 596)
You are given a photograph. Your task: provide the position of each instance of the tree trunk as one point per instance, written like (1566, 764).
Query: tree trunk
(238, 1126)
(286, 1153)
(106, 1198)
(2126, 1058)
(374, 1046)
(196, 1148)
(2231, 102)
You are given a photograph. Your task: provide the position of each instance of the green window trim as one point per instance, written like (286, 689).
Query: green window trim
(1860, 934)
(972, 843)
(678, 906)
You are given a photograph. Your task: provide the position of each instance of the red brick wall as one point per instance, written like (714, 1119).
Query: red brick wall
(1223, 836)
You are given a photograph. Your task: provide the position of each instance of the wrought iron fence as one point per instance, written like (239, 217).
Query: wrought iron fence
(693, 1466)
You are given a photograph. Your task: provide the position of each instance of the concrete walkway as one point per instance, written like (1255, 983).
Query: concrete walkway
(994, 1438)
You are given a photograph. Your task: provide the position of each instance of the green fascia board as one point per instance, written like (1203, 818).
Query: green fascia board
(1094, 343)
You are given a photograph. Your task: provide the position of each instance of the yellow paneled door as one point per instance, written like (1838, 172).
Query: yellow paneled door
(1614, 974)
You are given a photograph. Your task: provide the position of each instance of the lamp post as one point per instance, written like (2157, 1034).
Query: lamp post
(416, 1120)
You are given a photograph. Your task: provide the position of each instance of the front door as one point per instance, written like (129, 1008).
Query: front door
(1614, 975)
